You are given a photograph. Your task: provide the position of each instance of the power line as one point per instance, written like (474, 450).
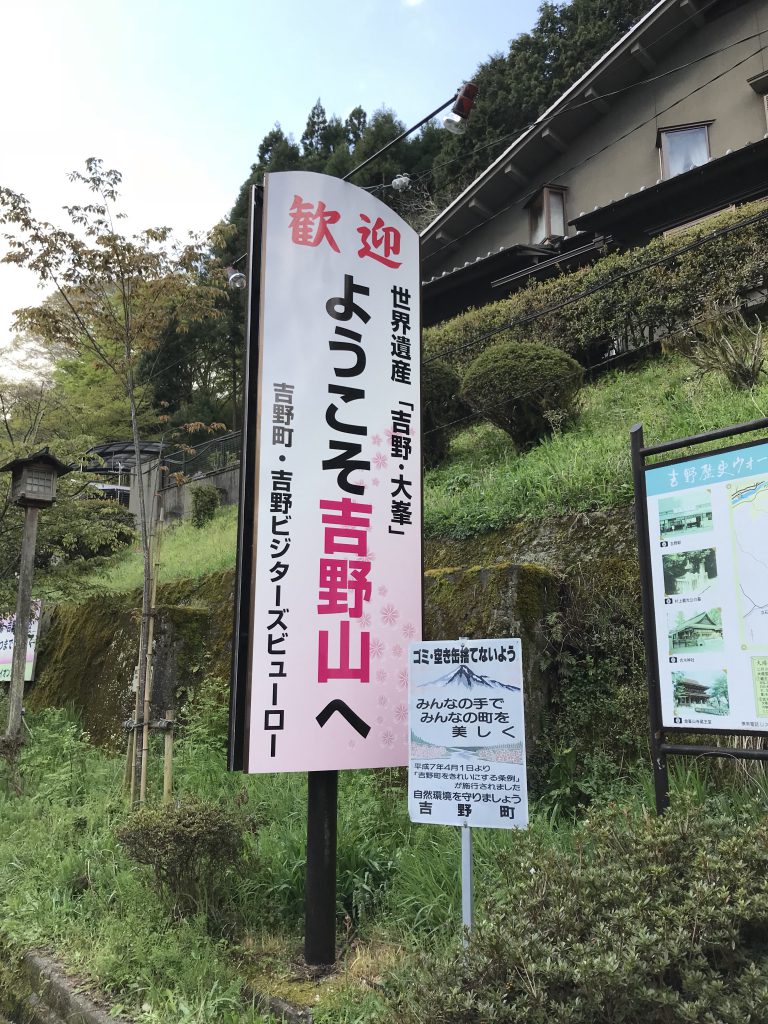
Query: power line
(524, 199)
(599, 286)
(544, 121)
(679, 332)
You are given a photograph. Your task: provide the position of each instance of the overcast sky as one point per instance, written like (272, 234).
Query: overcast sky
(177, 94)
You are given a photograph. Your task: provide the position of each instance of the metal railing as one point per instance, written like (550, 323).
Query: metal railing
(208, 457)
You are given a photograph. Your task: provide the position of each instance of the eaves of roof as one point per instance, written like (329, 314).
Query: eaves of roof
(735, 177)
(660, 28)
(483, 264)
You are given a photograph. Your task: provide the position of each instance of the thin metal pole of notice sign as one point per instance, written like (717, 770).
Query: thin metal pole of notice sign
(467, 891)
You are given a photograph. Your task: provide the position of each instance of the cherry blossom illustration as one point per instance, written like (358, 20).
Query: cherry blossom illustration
(364, 621)
(381, 675)
(376, 439)
(380, 460)
(397, 651)
(375, 481)
(401, 713)
(383, 701)
(380, 719)
(409, 631)
(402, 678)
(377, 648)
(389, 615)
(387, 738)
(383, 591)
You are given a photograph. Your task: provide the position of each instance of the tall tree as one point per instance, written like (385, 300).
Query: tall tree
(514, 89)
(115, 295)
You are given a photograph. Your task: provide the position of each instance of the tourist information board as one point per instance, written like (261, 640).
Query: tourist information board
(335, 593)
(467, 734)
(708, 532)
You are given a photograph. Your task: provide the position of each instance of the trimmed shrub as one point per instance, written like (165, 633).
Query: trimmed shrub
(526, 390)
(190, 847)
(625, 301)
(441, 407)
(205, 502)
(635, 918)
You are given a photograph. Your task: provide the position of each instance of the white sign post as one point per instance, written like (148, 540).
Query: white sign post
(337, 579)
(331, 521)
(467, 740)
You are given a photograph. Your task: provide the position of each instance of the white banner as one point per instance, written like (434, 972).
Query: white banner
(337, 589)
(7, 624)
(467, 734)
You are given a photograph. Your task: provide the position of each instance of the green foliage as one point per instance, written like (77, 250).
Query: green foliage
(187, 552)
(192, 848)
(205, 502)
(731, 344)
(619, 314)
(517, 86)
(637, 918)
(441, 408)
(587, 467)
(81, 528)
(524, 389)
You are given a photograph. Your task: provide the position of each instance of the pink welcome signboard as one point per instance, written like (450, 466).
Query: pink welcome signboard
(337, 544)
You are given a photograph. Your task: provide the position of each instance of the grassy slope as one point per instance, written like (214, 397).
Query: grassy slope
(485, 484)
(186, 553)
(64, 882)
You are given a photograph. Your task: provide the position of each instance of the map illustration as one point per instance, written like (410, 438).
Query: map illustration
(749, 518)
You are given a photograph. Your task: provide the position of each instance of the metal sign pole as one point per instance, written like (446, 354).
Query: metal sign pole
(467, 888)
(659, 758)
(320, 896)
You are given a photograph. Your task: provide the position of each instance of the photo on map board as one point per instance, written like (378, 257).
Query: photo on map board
(693, 634)
(700, 692)
(689, 572)
(686, 513)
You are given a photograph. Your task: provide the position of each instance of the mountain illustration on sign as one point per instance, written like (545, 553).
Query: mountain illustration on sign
(464, 677)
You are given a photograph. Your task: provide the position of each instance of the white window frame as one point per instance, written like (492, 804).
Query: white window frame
(544, 196)
(665, 133)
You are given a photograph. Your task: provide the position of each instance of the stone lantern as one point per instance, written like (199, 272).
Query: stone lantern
(33, 486)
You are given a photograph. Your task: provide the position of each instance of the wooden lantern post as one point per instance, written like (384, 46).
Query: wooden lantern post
(33, 486)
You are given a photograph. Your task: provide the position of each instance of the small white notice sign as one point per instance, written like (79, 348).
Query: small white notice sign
(467, 734)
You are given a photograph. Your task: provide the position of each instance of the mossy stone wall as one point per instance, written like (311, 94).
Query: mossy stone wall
(496, 601)
(511, 583)
(88, 652)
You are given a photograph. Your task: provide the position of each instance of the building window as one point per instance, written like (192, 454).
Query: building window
(683, 148)
(547, 214)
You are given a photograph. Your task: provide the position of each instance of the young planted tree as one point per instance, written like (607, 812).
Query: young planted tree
(113, 296)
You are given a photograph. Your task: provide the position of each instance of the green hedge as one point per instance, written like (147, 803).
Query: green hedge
(657, 299)
(631, 919)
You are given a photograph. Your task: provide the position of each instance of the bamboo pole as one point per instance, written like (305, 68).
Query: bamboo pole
(130, 753)
(168, 759)
(150, 664)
